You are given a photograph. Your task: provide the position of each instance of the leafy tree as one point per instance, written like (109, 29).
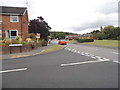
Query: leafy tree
(99, 36)
(60, 35)
(108, 32)
(39, 26)
(95, 31)
(111, 32)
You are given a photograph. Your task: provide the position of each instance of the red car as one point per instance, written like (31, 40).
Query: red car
(62, 42)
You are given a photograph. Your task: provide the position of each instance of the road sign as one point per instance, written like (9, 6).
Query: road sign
(15, 45)
(38, 35)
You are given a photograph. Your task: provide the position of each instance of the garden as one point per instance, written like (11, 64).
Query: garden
(27, 45)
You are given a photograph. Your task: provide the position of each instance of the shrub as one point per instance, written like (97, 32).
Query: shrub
(32, 36)
(18, 39)
(44, 43)
(7, 42)
(118, 38)
(85, 40)
(28, 39)
(81, 40)
(89, 40)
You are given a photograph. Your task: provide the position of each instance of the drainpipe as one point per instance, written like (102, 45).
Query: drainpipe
(21, 26)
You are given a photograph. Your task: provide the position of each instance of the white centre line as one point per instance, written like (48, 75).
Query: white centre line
(78, 63)
(14, 70)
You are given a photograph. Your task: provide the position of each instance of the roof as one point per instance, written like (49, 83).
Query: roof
(87, 35)
(13, 10)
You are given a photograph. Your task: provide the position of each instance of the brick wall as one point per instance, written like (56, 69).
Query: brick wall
(25, 48)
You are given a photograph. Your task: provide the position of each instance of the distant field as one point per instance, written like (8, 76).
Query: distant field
(110, 43)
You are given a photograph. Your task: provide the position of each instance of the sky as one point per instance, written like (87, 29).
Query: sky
(77, 16)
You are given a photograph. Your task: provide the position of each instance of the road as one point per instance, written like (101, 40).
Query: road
(72, 67)
(103, 52)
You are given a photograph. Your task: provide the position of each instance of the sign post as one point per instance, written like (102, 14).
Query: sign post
(37, 36)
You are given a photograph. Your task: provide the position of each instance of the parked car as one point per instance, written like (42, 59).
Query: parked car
(62, 42)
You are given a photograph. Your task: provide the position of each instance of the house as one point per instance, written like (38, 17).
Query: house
(71, 37)
(87, 36)
(14, 21)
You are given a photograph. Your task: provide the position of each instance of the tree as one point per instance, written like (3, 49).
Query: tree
(95, 31)
(39, 26)
(99, 36)
(111, 32)
(108, 32)
(60, 35)
(101, 28)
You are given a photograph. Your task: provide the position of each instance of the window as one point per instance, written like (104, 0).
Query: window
(14, 19)
(11, 34)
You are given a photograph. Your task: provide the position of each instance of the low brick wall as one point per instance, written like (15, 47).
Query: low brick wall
(16, 49)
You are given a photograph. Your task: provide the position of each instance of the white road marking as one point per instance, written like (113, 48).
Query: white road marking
(93, 57)
(75, 51)
(87, 55)
(82, 53)
(115, 52)
(69, 49)
(72, 50)
(78, 52)
(98, 57)
(101, 60)
(116, 61)
(106, 59)
(14, 70)
(79, 63)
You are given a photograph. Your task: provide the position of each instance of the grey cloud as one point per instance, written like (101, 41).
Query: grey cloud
(109, 7)
(93, 25)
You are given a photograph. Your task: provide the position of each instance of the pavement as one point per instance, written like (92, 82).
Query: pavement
(25, 54)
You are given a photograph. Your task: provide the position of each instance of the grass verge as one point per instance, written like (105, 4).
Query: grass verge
(51, 49)
(71, 41)
(109, 43)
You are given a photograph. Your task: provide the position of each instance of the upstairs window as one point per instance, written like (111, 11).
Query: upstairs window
(14, 19)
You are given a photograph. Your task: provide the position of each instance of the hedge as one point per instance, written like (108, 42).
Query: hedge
(85, 40)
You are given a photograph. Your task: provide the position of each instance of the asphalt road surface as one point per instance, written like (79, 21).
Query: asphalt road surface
(67, 68)
(109, 53)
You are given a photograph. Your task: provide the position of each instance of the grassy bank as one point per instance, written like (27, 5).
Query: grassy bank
(109, 43)
(52, 49)
(71, 41)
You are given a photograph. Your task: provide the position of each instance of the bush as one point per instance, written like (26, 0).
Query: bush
(89, 40)
(81, 40)
(44, 43)
(85, 40)
(32, 36)
(18, 40)
(28, 39)
(118, 38)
